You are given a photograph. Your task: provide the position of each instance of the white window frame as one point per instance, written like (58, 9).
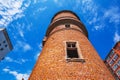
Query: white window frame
(80, 58)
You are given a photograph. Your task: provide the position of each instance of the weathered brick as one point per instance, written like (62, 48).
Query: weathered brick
(52, 64)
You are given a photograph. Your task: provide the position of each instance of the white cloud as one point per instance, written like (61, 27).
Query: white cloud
(38, 52)
(40, 46)
(23, 46)
(26, 47)
(21, 33)
(19, 61)
(10, 10)
(90, 10)
(17, 75)
(113, 15)
(37, 1)
(58, 2)
(22, 28)
(116, 37)
(37, 55)
(9, 59)
(42, 8)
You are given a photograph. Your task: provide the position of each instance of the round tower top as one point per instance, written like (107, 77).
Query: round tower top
(63, 17)
(64, 13)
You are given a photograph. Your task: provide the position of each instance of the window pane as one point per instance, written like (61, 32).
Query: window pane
(118, 72)
(111, 62)
(115, 57)
(111, 53)
(73, 45)
(118, 62)
(68, 45)
(108, 59)
(67, 25)
(72, 53)
(115, 67)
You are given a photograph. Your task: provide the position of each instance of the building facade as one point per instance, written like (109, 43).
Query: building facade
(113, 61)
(67, 53)
(5, 43)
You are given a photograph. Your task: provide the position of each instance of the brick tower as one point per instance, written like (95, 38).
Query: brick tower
(67, 53)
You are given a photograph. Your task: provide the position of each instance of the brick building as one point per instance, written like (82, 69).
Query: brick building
(67, 53)
(5, 43)
(113, 60)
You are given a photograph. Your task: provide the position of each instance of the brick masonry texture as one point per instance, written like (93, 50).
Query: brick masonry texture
(52, 63)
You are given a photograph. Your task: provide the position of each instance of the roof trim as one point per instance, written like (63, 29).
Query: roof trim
(65, 11)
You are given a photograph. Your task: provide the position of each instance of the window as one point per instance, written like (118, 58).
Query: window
(6, 45)
(67, 25)
(108, 59)
(111, 53)
(1, 49)
(118, 72)
(3, 41)
(115, 67)
(115, 57)
(73, 52)
(111, 62)
(118, 62)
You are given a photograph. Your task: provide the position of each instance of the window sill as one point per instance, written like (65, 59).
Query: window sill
(75, 60)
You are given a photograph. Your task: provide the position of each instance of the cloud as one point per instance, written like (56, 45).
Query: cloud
(23, 46)
(40, 46)
(27, 47)
(21, 33)
(42, 8)
(21, 28)
(19, 61)
(58, 2)
(85, 7)
(11, 10)
(113, 15)
(37, 55)
(17, 75)
(9, 59)
(37, 1)
(116, 37)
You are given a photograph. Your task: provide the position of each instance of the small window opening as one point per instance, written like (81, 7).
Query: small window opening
(72, 53)
(1, 49)
(6, 45)
(72, 50)
(67, 25)
(3, 41)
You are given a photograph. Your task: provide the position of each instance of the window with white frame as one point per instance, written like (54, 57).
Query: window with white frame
(111, 62)
(118, 62)
(108, 59)
(73, 52)
(111, 53)
(118, 72)
(115, 67)
(115, 57)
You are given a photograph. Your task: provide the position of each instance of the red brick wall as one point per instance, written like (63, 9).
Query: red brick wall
(52, 64)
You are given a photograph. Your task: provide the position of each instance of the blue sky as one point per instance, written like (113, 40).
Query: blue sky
(27, 21)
